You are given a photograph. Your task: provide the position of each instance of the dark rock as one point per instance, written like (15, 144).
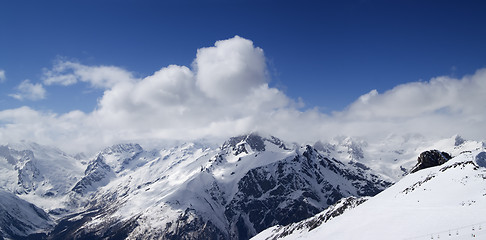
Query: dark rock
(481, 159)
(429, 159)
(458, 141)
(294, 189)
(311, 223)
(96, 174)
(189, 225)
(29, 176)
(71, 227)
(19, 218)
(237, 144)
(254, 141)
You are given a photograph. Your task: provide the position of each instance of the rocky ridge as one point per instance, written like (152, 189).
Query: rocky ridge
(248, 185)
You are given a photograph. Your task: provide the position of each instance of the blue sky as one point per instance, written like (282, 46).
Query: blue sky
(327, 53)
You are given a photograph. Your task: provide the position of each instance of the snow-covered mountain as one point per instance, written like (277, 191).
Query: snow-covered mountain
(39, 174)
(196, 191)
(445, 201)
(247, 185)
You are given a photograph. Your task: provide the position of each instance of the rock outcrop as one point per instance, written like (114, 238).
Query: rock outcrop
(429, 159)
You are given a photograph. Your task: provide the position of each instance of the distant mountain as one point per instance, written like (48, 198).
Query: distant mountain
(445, 201)
(40, 174)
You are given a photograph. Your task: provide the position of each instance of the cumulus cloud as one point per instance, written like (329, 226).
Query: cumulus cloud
(230, 69)
(225, 92)
(29, 91)
(2, 76)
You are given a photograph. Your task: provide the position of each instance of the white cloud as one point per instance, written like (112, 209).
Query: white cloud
(29, 91)
(2, 75)
(442, 106)
(177, 102)
(226, 93)
(67, 73)
(230, 69)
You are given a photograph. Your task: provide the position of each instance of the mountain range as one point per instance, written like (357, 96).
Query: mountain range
(195, 191)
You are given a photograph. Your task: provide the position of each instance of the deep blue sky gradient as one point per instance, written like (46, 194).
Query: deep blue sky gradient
(326, 52)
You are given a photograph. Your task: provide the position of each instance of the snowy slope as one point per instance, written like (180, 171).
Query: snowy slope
(18, 218)
(429, 204)
(279, 232)
(39, 174)
(247, 185)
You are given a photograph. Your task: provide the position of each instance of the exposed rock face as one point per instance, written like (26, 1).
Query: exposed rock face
(310, 224)
(481, 159)
(458, 140)
(429, 159)
(294, 189)
(29, 175)
(237, 144)
(190, 226)
(254, 141)
(19, 218)
(70, 227)
(97, 174)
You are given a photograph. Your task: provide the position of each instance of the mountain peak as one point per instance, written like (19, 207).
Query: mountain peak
(123, 148)
(254, 140)
(251, 142)
(458, 140)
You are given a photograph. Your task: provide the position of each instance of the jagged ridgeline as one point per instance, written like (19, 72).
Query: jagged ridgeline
(190, 191)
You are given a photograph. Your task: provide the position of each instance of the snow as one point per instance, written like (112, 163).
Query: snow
(183, 177)
(425, 205)
(20, 217)
(175, 179)
(159, 185)
(50, 173)
(228, 173)
(393, 157)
